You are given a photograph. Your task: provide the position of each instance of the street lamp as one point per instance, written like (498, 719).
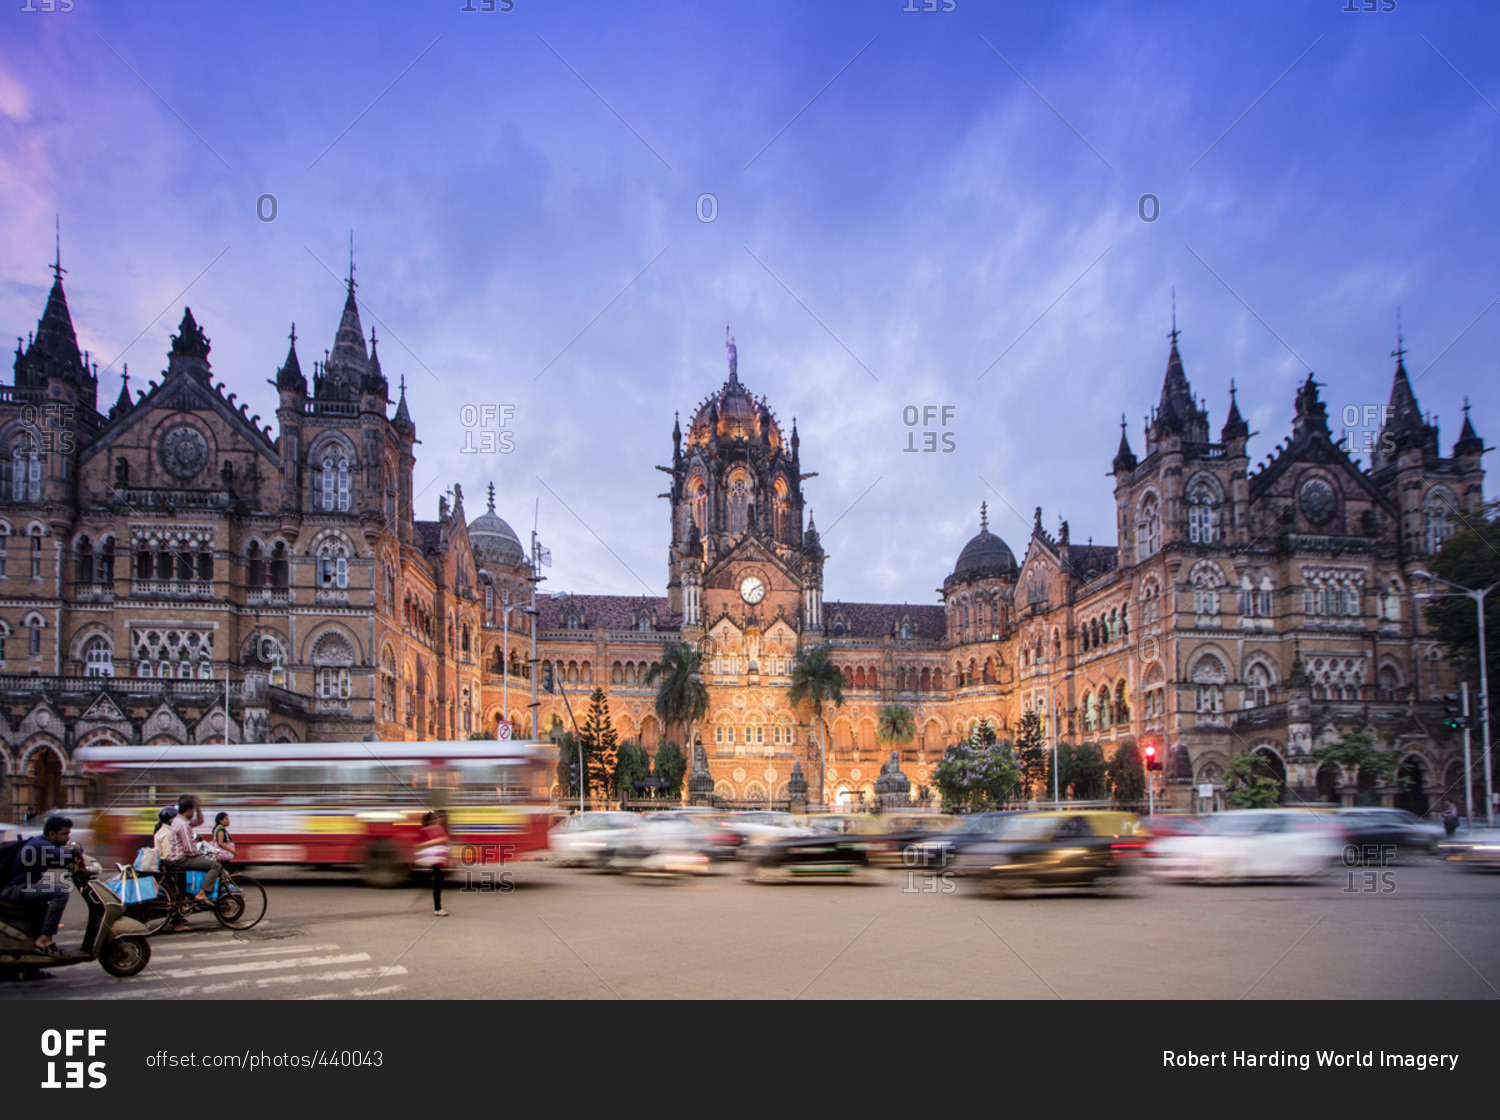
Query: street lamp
(506, 607)
(1484, 676)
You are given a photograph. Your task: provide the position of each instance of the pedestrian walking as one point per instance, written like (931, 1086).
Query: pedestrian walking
(432, 853)
(1450, 817)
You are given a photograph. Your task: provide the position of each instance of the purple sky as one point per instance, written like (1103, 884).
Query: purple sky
(913, 208)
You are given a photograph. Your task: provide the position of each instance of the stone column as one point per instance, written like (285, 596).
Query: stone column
(796, 788)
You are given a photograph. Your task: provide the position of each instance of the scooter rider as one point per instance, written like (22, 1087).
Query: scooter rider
(23, 882)
(185, 855)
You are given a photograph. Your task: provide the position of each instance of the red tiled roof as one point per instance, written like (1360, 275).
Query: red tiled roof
(870, 620)
(614, 612)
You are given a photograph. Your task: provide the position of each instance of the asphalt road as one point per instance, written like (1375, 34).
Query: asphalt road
(1427, 931)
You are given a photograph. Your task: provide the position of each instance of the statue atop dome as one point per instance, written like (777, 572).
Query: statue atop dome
(734, 354)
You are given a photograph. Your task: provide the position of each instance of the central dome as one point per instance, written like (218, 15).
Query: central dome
(986, 556)
(734, 413)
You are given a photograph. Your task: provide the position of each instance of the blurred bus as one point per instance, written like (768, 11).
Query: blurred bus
(333, 805)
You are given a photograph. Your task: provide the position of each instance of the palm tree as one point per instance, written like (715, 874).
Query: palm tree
(681, 695)
(816, 679)
(897, 725)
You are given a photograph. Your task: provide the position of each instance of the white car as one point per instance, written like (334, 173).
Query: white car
(1251, 844)
(590, 839)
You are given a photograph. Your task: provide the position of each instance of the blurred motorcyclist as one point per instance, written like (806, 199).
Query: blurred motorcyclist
(22, 881)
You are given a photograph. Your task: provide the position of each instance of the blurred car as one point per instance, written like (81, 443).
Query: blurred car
(1084, 849)
(1371, 832)
(903, 831)
(758, 826)
(1252, 844)
(1172, 824)
(1477, 849)
(590, 839)
(715, 840)
(941, 849)
(667, 843)
(826, 848)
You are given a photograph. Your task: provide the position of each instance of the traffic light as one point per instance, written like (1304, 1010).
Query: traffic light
(1454, 716)
(1152, 762)
(573, 773)
(547, 678)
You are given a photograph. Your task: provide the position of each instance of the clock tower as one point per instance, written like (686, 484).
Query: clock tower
(739, 551)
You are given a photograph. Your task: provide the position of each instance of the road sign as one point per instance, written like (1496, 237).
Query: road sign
(503, 730)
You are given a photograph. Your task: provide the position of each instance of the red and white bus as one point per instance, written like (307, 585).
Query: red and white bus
(334, 805)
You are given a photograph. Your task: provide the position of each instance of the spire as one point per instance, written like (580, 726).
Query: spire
(289, 377)
(123, 401)
(734, 356)
(1234, 425)
(1469, 442)
(57, 268)
(1125, 459)
(402, 420)
(1176, 409)
(492, 497)
(53, 349)
(984, 517)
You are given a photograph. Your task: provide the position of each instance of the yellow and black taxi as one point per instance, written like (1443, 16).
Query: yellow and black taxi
(826, 846)
(1083, 849)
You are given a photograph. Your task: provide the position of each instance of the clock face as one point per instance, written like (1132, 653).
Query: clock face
(1318, 501)
(752, 589)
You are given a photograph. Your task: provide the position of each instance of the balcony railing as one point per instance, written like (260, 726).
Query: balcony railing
(173, 589)
(15, 684)
(157, 497)
(349, 409)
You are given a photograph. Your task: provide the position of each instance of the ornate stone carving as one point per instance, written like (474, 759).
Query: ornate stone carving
(184, 451)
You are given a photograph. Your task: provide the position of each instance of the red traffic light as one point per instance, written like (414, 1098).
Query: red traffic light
(1152, 763)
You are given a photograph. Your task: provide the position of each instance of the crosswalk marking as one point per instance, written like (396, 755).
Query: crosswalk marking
(226, 965)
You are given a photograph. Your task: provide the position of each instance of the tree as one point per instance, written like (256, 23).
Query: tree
(816, 680)
(634, 766)
(1031, 751)
(974, 776)
(1357, 752)
(1468, 558)
(1250, 783)
(896, 725)
(681, 695)
(1087, 773)
(671, 766)
(600, 745)
(1126, 775)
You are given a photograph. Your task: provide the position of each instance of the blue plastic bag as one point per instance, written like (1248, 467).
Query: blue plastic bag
(132, 889)
(195, 883)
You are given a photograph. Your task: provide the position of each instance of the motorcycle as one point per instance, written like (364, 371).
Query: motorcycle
(119, 943)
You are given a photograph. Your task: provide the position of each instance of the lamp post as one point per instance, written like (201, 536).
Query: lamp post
(1484, 675)
(506, 606)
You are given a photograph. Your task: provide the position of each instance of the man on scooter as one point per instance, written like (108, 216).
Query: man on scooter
(185, 855)
(22, 881)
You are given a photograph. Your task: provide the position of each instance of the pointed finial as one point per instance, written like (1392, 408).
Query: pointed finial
(984, 517)
(57, 268)
(1466, 406)
(1231, 390)
(293, 335)
(492, 497)
(403, 384)
(1174, 315)
(1399, 353)
(1122, 423)
(351, 261)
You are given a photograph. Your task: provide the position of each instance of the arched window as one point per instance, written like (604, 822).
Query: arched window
(98, 658)
(1206, 582)
(1090, 713)
(34, 626)
(1149, 526)
(1122, 704)
(1203, 519)
(1257, 687)
(1436, 512)
(26, 470)
(333, 566)
(1208, 678)
(739, 503)
(335, 482)
(279, 566)
(1106, 708)
(255, 564)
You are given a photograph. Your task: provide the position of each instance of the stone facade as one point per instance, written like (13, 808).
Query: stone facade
(174, 547)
